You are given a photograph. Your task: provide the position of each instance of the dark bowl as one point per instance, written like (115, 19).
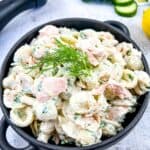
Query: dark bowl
(77, 23)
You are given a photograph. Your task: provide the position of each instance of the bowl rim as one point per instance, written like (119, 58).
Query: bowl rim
(106, 143)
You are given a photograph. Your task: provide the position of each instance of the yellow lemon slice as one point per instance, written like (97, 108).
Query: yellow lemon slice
(146, 22)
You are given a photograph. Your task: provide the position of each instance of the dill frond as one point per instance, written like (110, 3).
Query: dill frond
(64, 54)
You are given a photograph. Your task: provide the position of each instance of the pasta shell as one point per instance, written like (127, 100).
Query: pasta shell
(129, 79)
(22, 117)
(82, 102)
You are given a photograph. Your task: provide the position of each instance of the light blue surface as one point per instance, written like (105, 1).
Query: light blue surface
(139, 138)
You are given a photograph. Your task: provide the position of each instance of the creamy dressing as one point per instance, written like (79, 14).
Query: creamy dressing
(76, 96)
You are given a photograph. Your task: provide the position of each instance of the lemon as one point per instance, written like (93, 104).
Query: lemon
(146, 22)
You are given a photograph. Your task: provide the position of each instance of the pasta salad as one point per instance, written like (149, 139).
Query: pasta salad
(74, 86)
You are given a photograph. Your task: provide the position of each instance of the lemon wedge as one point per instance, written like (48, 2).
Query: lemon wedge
(146, 22)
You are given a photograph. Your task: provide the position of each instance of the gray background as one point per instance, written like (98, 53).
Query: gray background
(139, 138)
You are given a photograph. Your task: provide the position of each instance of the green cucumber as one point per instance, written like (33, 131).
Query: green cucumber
(86, 0)
(141, 1)
(128, 10)
(122, 2)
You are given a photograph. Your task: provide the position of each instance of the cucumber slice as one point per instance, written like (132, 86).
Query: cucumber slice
(122, 2)
(86, 0)
(128, 10)
(141, 1)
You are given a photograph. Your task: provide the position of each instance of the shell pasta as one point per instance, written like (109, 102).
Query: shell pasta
(74, 86)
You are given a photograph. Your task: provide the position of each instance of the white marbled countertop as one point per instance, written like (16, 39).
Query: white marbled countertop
(139, 138)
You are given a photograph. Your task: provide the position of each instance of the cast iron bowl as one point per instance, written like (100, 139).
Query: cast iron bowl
(122, 34)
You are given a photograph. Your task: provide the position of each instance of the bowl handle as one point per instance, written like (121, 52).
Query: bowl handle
(4, 145)
(120, 26)
(11, 8)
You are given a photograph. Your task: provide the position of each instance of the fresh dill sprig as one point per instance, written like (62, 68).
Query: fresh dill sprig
(76, 60)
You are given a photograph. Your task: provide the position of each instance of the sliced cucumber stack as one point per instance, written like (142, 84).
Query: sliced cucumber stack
(127, 8)
(122, 2)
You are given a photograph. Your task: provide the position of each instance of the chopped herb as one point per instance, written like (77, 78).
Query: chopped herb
(107, 109)
(83, 35)
(17, 99)
(100, 82)
(39, 86)
(34, 49)
(54, 71)
(130, 77)
(27, 91)
(102, 124)
(110, 59)
(45, 110)
(76, 60)
(129, 52)
(96, 46)
(76, 116)
(65, 95)
(54, 98)
(106, 64)
(62, 142)
(92, 133)
(101, 39)
(96, 97)
(89, 131)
